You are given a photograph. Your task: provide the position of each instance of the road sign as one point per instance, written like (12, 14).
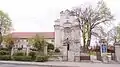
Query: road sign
(104, 48)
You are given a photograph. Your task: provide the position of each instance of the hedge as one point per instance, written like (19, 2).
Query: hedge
(19, 54)
(3, 52)
(22, 58)
(33, 49)
(5, 57)
(42, 58)
(33, 55)
(5, 49)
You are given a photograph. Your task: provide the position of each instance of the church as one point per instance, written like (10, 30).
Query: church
(68, 35)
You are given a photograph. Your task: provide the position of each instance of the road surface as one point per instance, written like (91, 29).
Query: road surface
(54, 64)
(20, 65)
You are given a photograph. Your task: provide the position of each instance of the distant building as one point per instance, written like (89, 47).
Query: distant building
(22, 37)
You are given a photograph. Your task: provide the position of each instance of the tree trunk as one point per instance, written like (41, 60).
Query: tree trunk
(0, 38)
(89, 35)
(89, 39)
(84, 40)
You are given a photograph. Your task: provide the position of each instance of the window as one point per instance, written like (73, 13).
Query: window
(52, 40)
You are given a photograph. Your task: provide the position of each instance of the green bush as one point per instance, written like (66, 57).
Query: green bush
(33, 55)
(33, 49)
(5, 57)
(5, 49)
(50, 46)
(57, 50)
(19, 54)
(42, 58)
(22, 58)
(3, 52)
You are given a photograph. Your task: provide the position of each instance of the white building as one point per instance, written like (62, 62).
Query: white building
(67, 32)
(22, 38)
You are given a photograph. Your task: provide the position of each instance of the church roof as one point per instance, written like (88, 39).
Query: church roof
(33, 34)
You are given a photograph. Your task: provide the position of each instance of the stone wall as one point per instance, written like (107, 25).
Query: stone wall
(117, 52)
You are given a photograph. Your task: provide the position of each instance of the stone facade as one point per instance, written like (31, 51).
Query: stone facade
(67, 32)
(117, 52)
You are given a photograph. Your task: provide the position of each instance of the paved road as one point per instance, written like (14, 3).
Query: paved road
(18, 65)
(54, 64)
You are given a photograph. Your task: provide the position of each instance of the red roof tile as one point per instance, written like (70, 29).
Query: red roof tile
(32, 34)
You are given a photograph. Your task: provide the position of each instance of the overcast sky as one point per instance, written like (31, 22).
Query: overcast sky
(39, 15)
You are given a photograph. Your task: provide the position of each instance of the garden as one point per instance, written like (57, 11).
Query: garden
(40, 52)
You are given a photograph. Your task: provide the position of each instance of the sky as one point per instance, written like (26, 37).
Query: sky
(39, 15)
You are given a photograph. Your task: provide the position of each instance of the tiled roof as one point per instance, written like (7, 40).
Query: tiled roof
(32, 34)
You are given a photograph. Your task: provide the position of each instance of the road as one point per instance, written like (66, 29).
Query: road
(54, 64)
(20, 65)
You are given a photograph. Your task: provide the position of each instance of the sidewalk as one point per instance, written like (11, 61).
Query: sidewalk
(61, 64)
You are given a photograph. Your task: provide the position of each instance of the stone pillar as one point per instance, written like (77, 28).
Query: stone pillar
(103, 50)
(57, 34)
(45, 49)
(76, 50)
(27, 51)
(117, 52)
(12, 51)
(71, 56)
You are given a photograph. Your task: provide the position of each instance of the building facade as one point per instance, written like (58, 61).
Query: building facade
(67, 35)
(22, 38)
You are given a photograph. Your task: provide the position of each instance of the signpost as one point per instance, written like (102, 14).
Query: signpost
(104, 48)
(104, 52)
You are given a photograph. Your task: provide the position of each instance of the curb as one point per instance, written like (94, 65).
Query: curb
(23, 63)
(36, 64)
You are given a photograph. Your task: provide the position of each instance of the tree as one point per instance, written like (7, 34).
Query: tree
(114, 34)
(89, 18)
(50, 46)
(111, 35)
(5, 24)
(38, 43)
(99, 32)
(8, 41)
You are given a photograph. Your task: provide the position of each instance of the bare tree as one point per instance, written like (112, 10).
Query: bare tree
(114, 34)
(99, 32)
(89, 18)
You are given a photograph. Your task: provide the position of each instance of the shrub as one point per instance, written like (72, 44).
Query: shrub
(42, 58)
(5, 49)
(50, 46)
(5, 57)
(57, 50)
(33, 55)
(19, 54)
(22, 58)
(3, 52)
(33, 49)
